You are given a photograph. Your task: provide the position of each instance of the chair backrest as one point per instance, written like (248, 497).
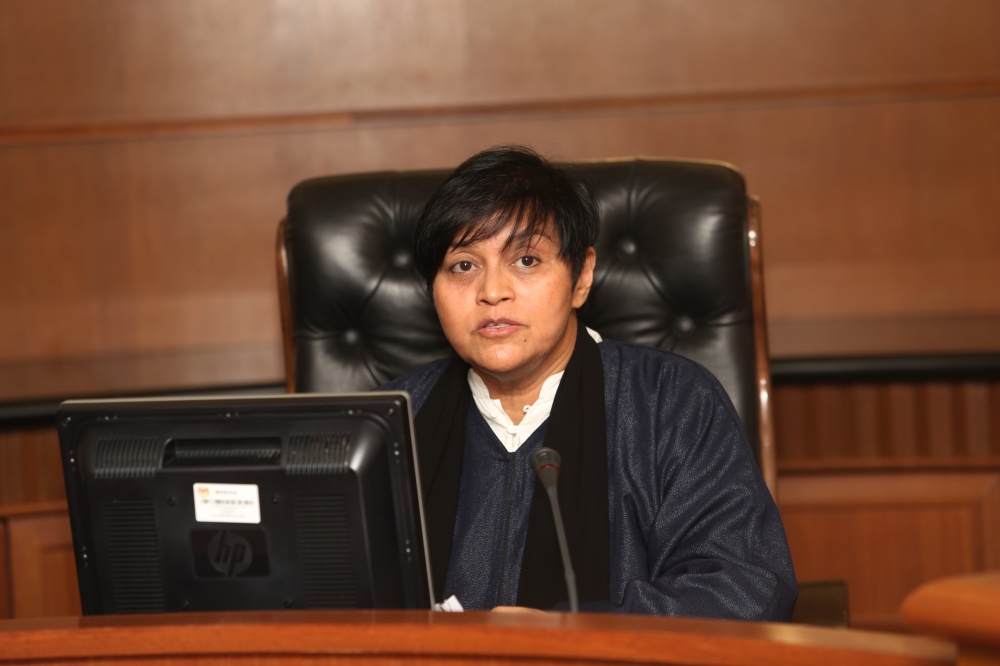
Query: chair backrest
(678, 268)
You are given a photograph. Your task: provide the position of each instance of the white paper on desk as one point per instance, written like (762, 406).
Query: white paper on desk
(450, 605)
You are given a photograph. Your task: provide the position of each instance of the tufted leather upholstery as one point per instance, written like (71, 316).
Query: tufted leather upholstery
(673, 272)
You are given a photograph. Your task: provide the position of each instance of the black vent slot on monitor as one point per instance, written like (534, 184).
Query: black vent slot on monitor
(318, 454)
(127, 458)
(208, 453)
(134, 556)
(325, 551)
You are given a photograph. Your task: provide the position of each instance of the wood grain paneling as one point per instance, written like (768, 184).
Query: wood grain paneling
(885, 534)
(887, 424)
(90, 60)
(884, 336)
(146, 149)
(170, 246)
(237, 366)
(30, 466)
(4, 573)
(41, 558)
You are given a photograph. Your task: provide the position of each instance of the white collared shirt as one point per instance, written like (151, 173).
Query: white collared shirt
(510, 435)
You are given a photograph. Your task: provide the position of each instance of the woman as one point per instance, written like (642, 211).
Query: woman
(665, 510)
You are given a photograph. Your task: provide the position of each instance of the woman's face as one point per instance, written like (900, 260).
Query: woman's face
(508, 312)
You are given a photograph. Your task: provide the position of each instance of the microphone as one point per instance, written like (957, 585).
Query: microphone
(546, 463)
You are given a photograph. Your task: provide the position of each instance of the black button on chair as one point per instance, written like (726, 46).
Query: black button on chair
(678, 267)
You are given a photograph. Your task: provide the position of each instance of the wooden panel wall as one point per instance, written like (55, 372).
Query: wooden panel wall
(146, 150)
(37, 564)
(859, 425)
(5, 574)
(30, 466)
(889, 485)
(887, 533)
(44, 583)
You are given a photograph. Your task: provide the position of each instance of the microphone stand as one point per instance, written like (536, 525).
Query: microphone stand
(546, 463)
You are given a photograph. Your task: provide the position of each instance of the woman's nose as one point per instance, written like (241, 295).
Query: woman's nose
(495, 285)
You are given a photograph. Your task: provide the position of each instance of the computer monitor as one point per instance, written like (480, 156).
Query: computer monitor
(232, 503)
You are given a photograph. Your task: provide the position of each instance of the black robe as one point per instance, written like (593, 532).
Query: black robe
(694, 531)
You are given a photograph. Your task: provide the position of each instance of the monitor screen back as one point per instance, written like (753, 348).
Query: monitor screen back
(308, 501)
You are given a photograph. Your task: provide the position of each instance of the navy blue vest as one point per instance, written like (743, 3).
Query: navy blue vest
(491, 526)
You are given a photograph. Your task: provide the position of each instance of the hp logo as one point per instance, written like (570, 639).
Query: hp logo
(229, 553)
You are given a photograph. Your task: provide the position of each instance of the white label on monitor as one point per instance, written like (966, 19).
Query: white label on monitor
(226, 503)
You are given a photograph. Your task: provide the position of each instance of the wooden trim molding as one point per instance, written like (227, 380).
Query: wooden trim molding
(768, 455)
(907, 491)
(877, 464)
(32, 509)
(285, 304)
(131, 129)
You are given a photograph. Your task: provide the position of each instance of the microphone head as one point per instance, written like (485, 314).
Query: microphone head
(546, 463)
(545, 456)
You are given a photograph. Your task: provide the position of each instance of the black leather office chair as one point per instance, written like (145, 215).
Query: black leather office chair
(678, 267)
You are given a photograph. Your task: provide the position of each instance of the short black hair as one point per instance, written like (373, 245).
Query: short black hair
(502, 186)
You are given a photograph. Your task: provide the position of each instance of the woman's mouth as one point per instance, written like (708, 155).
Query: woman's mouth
(497, 327)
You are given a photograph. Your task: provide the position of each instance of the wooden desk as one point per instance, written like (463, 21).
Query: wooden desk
(382, 637)
(965, 609)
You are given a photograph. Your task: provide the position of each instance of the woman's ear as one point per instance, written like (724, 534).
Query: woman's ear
(583, 283)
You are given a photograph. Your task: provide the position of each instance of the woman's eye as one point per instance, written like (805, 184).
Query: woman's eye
(527, 262)
(462, 267)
